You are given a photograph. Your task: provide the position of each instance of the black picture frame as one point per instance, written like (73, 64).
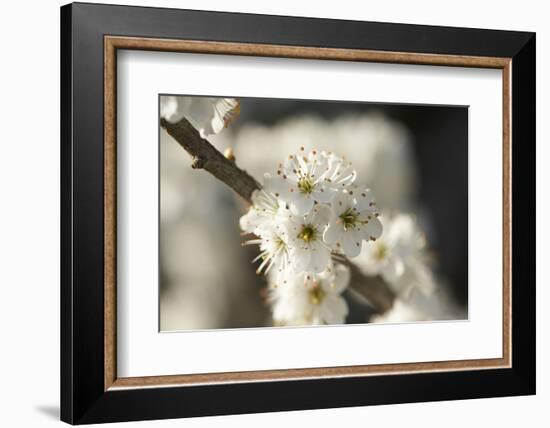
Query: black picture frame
(83, 398)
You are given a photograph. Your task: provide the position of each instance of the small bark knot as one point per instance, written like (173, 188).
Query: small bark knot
(198, 162)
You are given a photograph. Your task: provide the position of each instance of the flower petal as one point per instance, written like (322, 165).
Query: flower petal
(333, 310)
(333, 233)
(342, 277)
(250, 221)
(373, 229)
(364, 200)
(170, 109)
(320, 257)
(351, 244)
(321, 214)
(300, 259)
(393, 269)
(341, 203)
(276, 186)
(209, 115)
(323, 195)
(300, 204)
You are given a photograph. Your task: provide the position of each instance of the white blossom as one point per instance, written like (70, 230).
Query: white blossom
(208, 115)
(400, 256)
(268, 220)
(303, 180)
(265, 208)
(311, 299)
(355, 219)
(379, 147)
(274, 249)
(308, 251)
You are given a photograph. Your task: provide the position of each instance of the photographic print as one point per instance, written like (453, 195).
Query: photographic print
(283, 212)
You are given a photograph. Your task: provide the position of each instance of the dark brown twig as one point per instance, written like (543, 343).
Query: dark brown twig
(207, 157)
(372, 288)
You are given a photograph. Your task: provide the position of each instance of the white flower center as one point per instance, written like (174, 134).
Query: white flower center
(381, 251)
(349, 218)
(308, 233)
(317, 295)
(306, 184)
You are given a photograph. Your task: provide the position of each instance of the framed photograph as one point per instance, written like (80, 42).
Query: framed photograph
(265, 213)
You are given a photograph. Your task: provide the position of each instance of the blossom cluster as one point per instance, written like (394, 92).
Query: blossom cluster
(311, 208)
(401, 256)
